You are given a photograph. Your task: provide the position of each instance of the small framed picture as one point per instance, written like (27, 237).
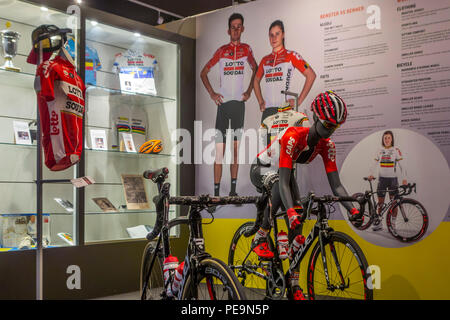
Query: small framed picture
(135, 194)
(98, 140)
(105, 204)
(22, 132)
(128, 143)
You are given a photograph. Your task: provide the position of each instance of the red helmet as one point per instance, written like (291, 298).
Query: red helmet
(329, 108)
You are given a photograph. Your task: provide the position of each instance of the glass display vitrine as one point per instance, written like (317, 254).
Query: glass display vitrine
(18, 114)
(131, 98)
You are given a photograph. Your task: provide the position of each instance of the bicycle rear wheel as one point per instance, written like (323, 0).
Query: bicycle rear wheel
(152, 280)
(246, 264)
(346, 268)
(411, 221)
(214, 281)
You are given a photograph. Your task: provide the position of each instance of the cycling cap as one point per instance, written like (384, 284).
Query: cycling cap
(51, 39)
(151, 146)
(329, 108)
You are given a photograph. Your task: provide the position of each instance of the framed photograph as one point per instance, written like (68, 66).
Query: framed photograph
(22, 132)
(105, 204)
(128, 142)
(98, 140)
(135, 194)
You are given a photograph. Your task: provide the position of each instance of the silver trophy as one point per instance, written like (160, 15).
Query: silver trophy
(9, 41)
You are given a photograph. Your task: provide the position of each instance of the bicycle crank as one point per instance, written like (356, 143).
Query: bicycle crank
(276, 284)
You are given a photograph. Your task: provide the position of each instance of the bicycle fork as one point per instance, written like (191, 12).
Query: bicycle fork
(330, 286)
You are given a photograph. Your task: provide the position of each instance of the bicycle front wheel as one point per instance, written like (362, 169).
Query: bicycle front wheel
(152, 278)
(411, 220)
(346, 268)
(214, 281)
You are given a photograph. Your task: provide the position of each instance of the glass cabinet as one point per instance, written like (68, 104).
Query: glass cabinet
(18, 114)
(132, 97)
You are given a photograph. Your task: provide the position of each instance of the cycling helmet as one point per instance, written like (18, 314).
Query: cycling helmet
(330, 109)
(51, 38)
(151, 146)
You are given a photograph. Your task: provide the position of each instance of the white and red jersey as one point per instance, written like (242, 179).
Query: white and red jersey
(231, 59)
(387, 160)
(276, 71)
(273, 125)
(136, 71)
(60, 92)
(294, 148)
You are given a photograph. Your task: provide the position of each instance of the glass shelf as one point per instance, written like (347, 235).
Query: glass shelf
(115, 152)
(17, 79)
(131, 154)
(100, 91)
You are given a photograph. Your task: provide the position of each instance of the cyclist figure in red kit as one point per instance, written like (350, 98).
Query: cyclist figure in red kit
(302, 145)
(276, 72)
(231, 99)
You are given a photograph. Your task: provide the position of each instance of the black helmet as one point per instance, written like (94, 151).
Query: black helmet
(52, 37)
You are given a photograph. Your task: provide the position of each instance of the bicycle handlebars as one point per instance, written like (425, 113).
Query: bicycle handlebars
(163, 200)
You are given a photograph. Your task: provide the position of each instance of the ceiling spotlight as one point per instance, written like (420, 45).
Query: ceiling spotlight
(79, 1)
(160, 18)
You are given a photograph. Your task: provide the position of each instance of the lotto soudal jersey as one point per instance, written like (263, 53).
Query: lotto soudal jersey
(128, 119)
(136, 71)
(273, 125)
(276, 72)
(387, 161)
(294, 148)
(60, 93)
(231, 59)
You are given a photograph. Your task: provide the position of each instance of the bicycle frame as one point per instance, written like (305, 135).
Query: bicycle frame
(373, 205)
(319, 231)
(195, 250)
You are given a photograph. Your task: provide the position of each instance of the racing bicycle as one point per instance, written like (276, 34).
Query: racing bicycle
(337, 267)
(204, 277)
(411, 219)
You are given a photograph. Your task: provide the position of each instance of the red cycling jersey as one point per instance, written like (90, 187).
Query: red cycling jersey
(277, 69)
(60, 93)
(231, 59)
(294, 146)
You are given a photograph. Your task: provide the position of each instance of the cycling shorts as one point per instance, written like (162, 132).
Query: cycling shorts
(230, 113)
(387, 184)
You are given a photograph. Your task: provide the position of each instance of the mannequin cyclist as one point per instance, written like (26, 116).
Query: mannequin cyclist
(302, 145)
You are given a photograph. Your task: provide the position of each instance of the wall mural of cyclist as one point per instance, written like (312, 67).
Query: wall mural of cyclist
(388, 162)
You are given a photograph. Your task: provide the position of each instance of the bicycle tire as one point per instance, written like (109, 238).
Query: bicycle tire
(353, 265)
(255, 286)
(401, 230)
(220, 283)
(151, 282)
